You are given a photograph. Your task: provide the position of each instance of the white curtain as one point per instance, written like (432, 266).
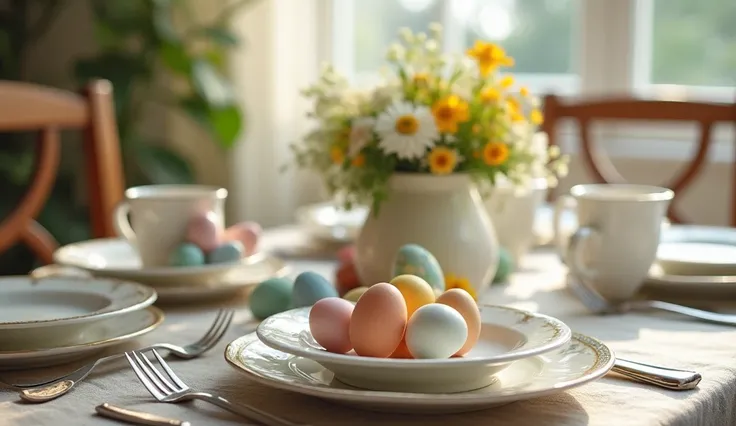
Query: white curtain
(282, 49)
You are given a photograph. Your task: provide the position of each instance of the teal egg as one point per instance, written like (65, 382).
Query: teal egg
(187, 255)
(270, 297)
(505, 266)
(230, 251)
(309, 287)
(416, 260)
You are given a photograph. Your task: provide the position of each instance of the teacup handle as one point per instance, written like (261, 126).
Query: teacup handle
(564, 202)
(59, 271)
(574, 254)
(121, 222)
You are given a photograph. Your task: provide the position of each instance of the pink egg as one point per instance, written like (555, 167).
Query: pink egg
(204, 232)
(329, 322)
(245, 232)
(346, 254)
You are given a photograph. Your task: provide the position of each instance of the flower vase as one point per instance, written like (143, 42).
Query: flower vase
(443, 214)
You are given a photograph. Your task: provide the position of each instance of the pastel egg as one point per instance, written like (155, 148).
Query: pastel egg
(346, 254)
(354, 294)
(378, 321)
(329, 322)
(463, 302)
(402, 351)
(230, 251)
(248, 233)
(204, 231)
(187, 254)
(310, 287)
(437, 292)
(270, 297)
(505, 266)
(346, 278)
(415, 290)
(435, 331)
(416, 260)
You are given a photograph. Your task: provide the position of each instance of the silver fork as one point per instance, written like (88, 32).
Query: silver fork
(598, 304)
(51, 389)
(165, 391)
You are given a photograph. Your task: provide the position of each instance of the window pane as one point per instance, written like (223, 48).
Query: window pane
(377, 23)
(694, 42)
(539, 34)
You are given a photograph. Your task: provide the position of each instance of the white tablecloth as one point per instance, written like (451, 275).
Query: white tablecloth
(538, 286)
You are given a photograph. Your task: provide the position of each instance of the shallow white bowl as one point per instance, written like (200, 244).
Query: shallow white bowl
(507, 335)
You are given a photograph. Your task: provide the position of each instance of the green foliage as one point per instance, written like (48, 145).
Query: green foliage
(139, 42)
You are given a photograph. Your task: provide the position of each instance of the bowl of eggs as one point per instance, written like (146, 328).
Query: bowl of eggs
(402, 336)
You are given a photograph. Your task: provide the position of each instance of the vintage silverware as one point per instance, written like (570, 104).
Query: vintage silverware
(598, 304)
(668, 378)
(165, 391)
(136, 417)
(46, 391)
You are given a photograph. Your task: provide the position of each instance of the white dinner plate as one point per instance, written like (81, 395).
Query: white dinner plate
(330, 222)
(102, 334)
(580, 361)
(698, 250)
(507, 335)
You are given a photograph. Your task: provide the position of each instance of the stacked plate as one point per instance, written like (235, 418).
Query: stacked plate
(118, 259)
(55, 320)
(520, 355)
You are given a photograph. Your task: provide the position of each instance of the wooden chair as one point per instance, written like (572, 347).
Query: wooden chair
(628, 109)
(29, 107)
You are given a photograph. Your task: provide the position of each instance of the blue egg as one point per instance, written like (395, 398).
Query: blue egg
(505, 266)
(186, 255)
(310, 287)
(416, 260)
(230, 251)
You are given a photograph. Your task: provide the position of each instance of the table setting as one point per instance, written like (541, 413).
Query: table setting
(397, 302)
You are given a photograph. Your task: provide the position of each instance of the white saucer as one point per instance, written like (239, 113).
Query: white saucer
(582, 360)
(698, 250)
(507, 335)
(100, 335)
(329, 222)
(60, 309)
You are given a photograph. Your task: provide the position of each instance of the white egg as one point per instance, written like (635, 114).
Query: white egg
(435, 331)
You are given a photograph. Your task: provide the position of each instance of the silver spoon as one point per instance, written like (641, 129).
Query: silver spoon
(598, 304)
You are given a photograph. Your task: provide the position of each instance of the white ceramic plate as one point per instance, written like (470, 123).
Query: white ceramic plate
(102, 334)
(507, 335)
(698, 250)
(329, 222)
(582, 360)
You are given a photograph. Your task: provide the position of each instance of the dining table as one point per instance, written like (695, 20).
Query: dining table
(537, 285)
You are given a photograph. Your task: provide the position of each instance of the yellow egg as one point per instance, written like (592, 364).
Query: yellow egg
(415, 290)
(354, 294)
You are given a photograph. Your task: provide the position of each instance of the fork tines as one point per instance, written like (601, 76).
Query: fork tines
(156, 383)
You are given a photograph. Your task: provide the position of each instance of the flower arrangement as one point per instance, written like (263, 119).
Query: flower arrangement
(430, 114)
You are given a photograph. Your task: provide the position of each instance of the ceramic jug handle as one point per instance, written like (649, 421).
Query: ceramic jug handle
(121, 222)
(574, 254)
(564, 202)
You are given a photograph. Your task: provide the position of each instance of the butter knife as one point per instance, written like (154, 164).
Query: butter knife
(136, 417)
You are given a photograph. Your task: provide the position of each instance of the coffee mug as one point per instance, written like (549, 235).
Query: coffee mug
(617, 235)
(160, 214)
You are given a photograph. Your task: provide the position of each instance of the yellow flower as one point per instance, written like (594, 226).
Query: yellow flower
(442, 160)
(476, 128)
(514, 109)
(495, 153)
(358, 161)
(524, 91)
(506, 82)
(421, 79)
(536, 117)
(489, 95)
(449, 112)
(489, 57)
(516, 116)
(452, 281)
(337, 155)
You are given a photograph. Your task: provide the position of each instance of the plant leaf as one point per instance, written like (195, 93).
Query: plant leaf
(226, 124)
(210, 85)
(221, 36)
(162, 165)
(175, 57)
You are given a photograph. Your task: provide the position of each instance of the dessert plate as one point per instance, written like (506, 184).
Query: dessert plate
(57, 309)
(507, 335)
(580, 361)
(698, 250)
(329, 222)
(100, 335)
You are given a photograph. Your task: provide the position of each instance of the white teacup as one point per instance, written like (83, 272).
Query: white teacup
(160, 214)
(618, 233)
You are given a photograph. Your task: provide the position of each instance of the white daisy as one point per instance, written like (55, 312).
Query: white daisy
(406, 130)
(361, 132)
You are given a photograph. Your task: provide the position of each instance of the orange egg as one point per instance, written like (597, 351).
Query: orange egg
(402, 351)
(378, 321)
(463, 302)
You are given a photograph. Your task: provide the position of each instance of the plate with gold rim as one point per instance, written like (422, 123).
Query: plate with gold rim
(580, 361)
